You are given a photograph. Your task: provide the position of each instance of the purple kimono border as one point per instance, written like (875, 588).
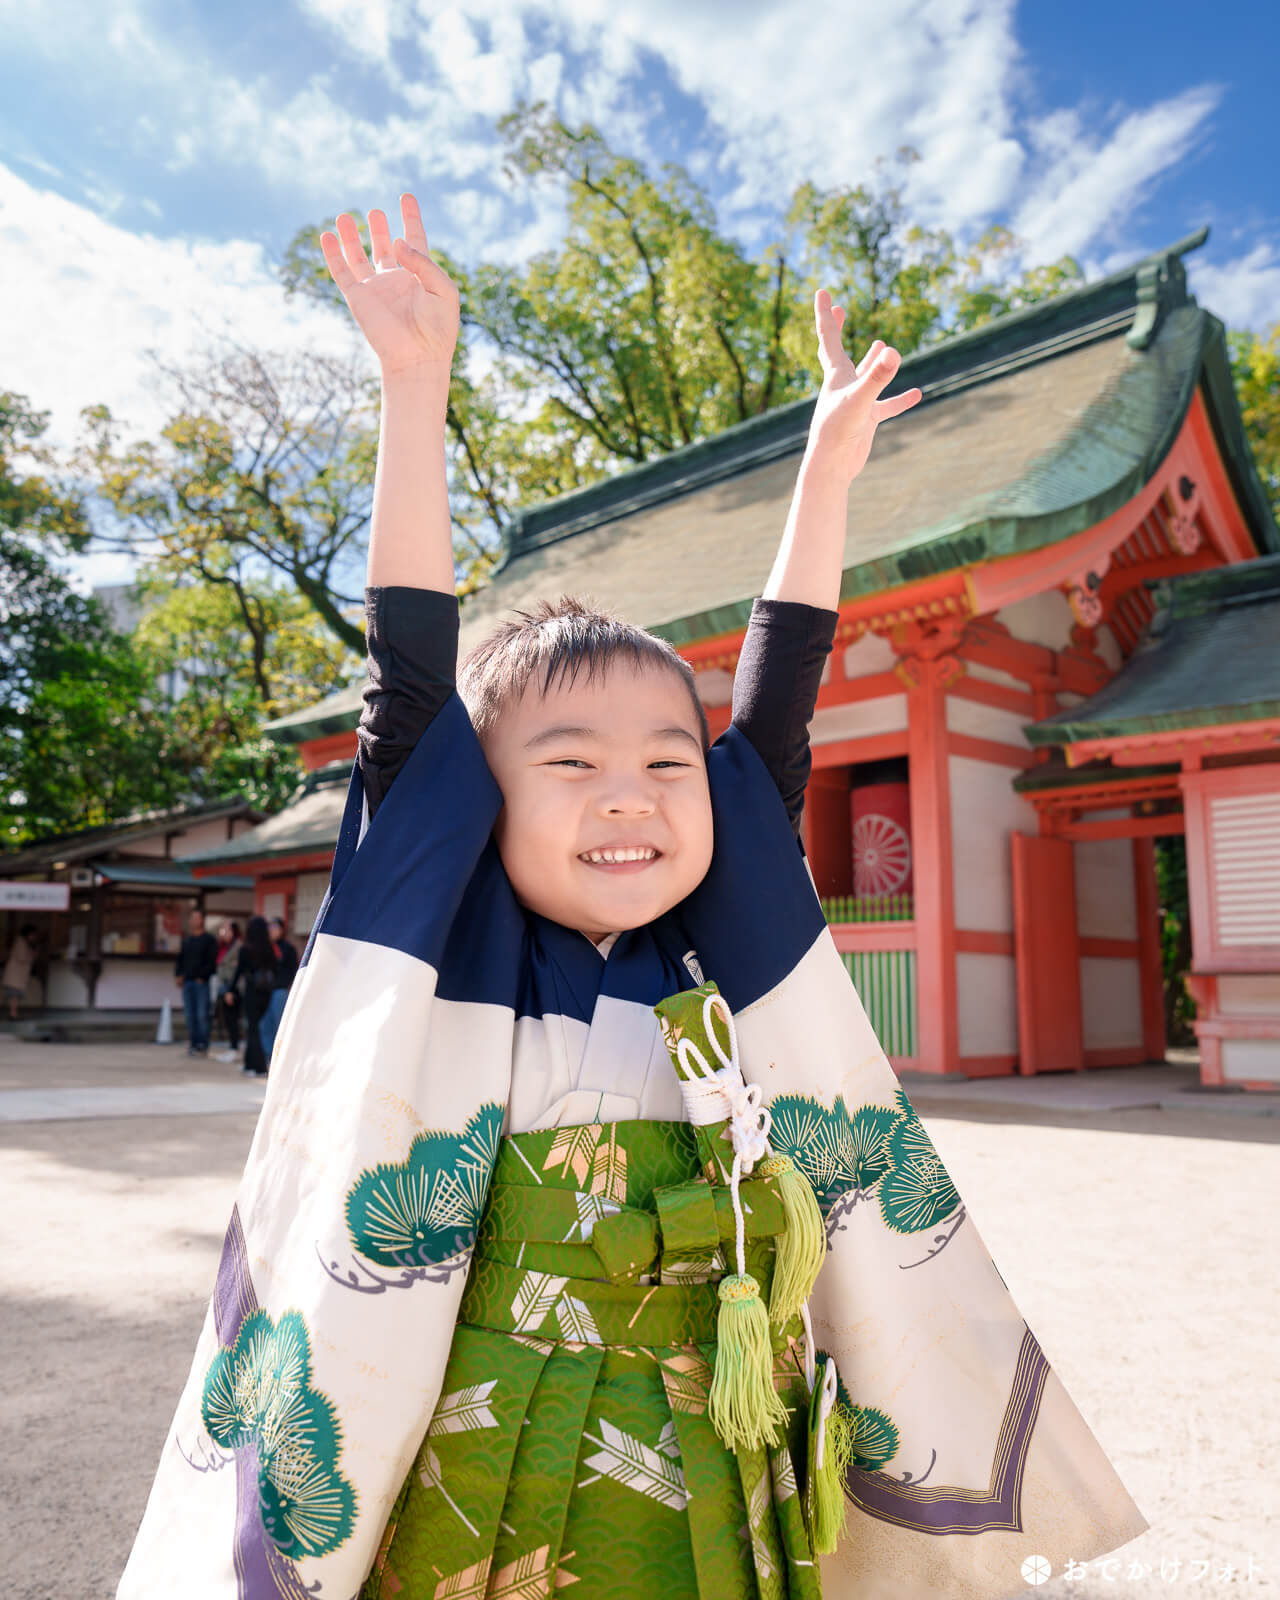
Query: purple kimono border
(948, 1510)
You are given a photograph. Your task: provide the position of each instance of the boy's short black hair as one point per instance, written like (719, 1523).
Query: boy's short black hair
(558, 638)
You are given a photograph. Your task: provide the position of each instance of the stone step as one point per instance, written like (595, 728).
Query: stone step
(82, 1026)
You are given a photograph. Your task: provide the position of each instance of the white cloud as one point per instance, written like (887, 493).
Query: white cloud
(1244, 292)
(93, 296)
(786, 101)
(1088, 185)
(366, 27)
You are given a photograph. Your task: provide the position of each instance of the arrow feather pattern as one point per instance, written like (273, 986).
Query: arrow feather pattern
(784, 1474)
(534, 1299)
(628, 1460)
(525, 1578)
(667, 1441)
(687, 1380)
(576, 1321)
(469, 1584)
(609, 1170)
(757, 1509)
(572, 1149)
(464, 1410)
(591, 1207)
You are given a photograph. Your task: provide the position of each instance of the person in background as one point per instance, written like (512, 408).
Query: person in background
(229, 943)
(194, 967)
(286, 972)
(254, 980)
(17, 969)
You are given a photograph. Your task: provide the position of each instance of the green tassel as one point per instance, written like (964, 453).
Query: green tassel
(827, 1488)
(802, 1249)
(744, 1407)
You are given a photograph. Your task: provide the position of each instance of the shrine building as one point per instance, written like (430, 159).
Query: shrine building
(1059, 638)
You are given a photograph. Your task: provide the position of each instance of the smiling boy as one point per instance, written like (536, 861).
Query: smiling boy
(475, 1330)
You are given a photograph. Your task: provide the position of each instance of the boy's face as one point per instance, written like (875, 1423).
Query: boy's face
(627, 769)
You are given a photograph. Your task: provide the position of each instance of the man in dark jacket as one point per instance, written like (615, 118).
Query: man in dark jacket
(193, 969)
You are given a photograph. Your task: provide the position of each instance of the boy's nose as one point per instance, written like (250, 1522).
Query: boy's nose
(636, 803)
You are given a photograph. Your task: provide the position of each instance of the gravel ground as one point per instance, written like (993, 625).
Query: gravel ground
(1135, 1242)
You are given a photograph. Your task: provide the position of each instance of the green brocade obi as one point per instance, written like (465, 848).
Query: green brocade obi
(612, 1207)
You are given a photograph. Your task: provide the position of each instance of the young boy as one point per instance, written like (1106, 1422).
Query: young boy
(477, 1329)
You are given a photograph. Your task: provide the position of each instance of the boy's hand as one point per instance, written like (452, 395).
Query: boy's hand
(406, 305)
(848, 408)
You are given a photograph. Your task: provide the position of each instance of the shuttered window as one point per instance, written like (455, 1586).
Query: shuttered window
(1245, 830)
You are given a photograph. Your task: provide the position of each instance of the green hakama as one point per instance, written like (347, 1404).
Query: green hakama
(571, 1444)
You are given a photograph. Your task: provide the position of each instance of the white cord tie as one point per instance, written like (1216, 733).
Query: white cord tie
(721, 1095)
(810, 1355)
(826, 1404)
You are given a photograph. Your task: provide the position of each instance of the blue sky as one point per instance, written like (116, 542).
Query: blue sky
(155, 154)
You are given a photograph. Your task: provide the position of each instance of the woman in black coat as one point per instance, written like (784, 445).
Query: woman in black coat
(255, 978)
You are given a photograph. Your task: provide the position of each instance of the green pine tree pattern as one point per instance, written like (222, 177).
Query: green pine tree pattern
(258, 1392)
(426, 1209)
(880, 1150)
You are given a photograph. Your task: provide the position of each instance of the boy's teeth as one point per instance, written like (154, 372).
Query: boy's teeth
(635, 854)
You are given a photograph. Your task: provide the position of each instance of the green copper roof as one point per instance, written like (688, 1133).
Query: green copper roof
(1056, 774)
(105, 838)
(162, 875)
(309, 822)
(1210, 654)
(1032, 428)
(336, 713)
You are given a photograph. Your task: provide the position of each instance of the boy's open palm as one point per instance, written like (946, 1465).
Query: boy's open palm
(849, 408)
(406, 305)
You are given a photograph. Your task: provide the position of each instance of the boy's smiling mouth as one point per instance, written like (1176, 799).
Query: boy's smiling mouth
(621, 858)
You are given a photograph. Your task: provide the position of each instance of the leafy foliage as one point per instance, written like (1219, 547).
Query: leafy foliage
(263, 474)
(1175, 938)
(87, 732)
(649, 327)
(77, 744)
(237, 658)
(1255, 367)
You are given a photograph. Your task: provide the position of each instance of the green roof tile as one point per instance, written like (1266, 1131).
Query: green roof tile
(1210, 654)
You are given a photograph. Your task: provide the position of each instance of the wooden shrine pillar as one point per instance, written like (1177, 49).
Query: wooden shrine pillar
(1047, 950)
(937, 1022)
(828, 835)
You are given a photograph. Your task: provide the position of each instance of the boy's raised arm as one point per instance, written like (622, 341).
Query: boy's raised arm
(810, 559)
(407, 308)
(793, 624)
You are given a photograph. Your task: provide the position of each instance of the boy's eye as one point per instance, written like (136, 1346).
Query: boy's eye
(573, 761)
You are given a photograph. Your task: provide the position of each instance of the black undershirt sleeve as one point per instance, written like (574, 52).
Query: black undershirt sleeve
(411, 636)
(775, 690)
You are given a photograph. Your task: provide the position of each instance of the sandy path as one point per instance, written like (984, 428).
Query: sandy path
(1136, 1243)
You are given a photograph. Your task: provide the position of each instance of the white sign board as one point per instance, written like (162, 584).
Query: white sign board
(16, 896)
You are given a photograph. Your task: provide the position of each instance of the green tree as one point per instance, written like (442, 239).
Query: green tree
(1175, 938)
(1255, 367)
(264, 471)
(235, 657)
(77, 744)
(649, 328)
